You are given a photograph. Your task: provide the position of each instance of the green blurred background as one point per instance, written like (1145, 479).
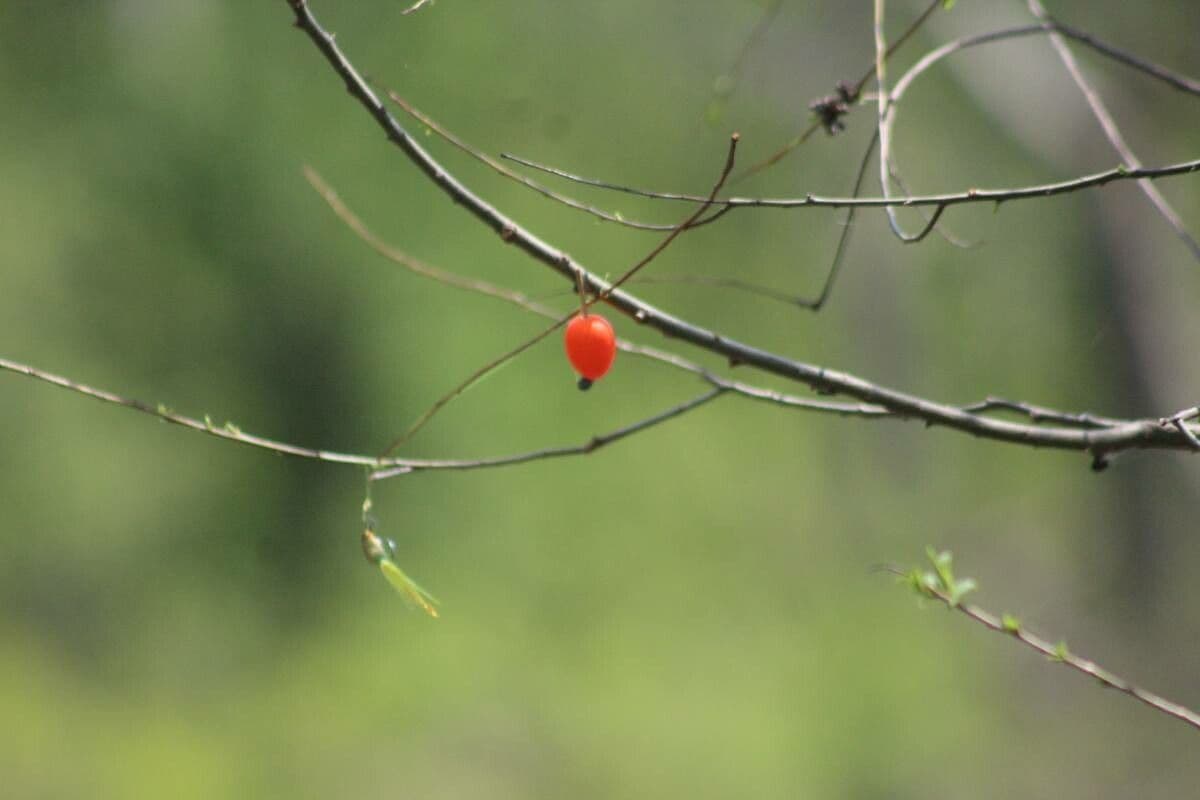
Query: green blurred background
(690, 613)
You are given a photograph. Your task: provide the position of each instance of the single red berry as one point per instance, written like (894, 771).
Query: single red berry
(591, 345)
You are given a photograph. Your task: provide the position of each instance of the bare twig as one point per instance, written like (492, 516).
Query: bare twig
(1113, 133)
(1010, 626)
(1092, 180)
(399, 466)
(1180, 422)
(394, 254)
(1041, 414)
(414, 7)
(845, 99)
(590, 446)
(470, 381)
(227, 431)
(839, 254)
(355, 224)
(885, 138)
(1123, 172)
(1145, 433)
(689, 222)
(432, 124)
(1056, 33)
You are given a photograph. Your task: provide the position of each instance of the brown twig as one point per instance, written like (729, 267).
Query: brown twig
(397, 256)
(1119, 173)
(687, 223)
(227, 431)
(451, 138)
(470, 381)
(844, 100)
(1092, 180)
(1113, 133)
(414, 7)
(590, 446)
(1009, 626)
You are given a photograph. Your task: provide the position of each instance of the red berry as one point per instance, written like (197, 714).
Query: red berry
(591, 345)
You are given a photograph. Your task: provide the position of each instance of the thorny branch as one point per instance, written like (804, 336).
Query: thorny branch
(1146, 433)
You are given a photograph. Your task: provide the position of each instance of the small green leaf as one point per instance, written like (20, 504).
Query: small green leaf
(409, 589)
(1011, 623)
(961, 589)
(1061, 653)
(943, 565)
(948, 4)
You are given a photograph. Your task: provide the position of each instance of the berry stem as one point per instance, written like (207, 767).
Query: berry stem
(581, 290)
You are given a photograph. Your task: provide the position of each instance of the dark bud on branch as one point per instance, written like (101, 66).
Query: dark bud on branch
(830, 109)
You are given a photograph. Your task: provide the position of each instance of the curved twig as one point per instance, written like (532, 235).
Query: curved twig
(1113, 133)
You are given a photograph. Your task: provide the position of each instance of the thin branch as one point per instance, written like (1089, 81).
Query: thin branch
(778, 155)
(1146, 433)
(1119, 173)
(882, 102)
(227, 431)
(414, 7)
(1009, 626)
(1177, 81)
(394, 254)
(470, 381)
(940, 230)
(390, 467)
(1041, 414)
(718, 281)
(1191, 437)
(839, 254)
(233, 433)
(687, 223)
(1180, 422)
(508, 356)
(851, 94)
(1056, 33)
(432, 124)
(359, 228)
(590, 446)
(1113, 133)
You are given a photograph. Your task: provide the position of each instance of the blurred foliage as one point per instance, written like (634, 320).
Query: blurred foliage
(689, 613)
